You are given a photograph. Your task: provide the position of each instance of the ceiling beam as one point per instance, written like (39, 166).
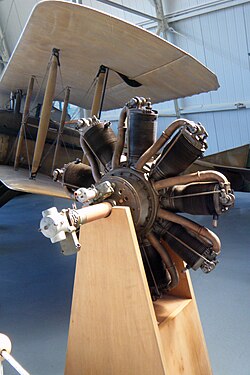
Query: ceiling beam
(127, 9)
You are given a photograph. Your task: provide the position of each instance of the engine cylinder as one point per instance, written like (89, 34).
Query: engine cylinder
(76, 174)
(195, 199)
(101, 139)
(192, 250)
(178, 154)
(142, 132)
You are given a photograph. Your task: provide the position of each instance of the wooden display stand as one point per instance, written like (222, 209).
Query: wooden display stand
(115, 329)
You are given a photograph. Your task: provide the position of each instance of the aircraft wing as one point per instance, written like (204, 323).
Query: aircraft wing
(87, 39)
(233, 163)
(19, 181)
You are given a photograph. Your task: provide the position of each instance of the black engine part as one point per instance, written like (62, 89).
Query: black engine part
(157, 276)
(191, 249)
(141, 131)
(205, 198)
(132, 189)
(179, 154)
(100, 138)
(74, 175)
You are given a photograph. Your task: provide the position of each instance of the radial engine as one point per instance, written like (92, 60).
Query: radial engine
(137, 170)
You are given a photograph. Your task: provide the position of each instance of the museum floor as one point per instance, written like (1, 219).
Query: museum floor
(36, 285)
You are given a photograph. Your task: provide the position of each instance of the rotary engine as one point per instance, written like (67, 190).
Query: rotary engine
(148, 175)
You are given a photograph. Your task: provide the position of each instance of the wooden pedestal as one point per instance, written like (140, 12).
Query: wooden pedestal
(115, 329)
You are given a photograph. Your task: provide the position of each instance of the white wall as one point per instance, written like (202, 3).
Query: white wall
(219, 37)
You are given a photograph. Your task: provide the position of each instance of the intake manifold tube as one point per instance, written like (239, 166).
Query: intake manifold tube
(166, 134)
(210, 237)
(92, 160)
(200, 176)
(166, 259)
(120, 138)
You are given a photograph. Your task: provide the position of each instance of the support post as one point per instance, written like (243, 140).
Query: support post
(62, 123)
(45, 114)
(115, 329)
(24, 122)
(164, 27)
(99, 91)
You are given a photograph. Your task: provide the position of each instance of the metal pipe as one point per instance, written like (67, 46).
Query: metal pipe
(45, 114)
(166, 134)
(91, 159)
(166, 259)
(95, 212)
(128, 9)
(13, 363)
(200, 176)
(24, 121)
(120, 138)
(204, 232)
(62, 123)
(96, 105)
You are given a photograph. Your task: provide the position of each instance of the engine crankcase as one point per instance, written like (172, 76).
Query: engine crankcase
(132, 189)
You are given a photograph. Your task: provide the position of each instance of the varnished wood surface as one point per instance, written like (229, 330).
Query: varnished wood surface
(114, 329)
(88, 38)
(168, 307)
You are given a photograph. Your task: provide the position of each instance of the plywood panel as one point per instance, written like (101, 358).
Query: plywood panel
(113, 329)
(181, 331)
(184, 344)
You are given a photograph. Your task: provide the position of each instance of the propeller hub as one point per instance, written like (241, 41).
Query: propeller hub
(132, 189)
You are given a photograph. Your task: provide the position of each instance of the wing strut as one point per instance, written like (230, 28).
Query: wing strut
(24, 122)
(45, 114)
(102, 77)
(62, 122)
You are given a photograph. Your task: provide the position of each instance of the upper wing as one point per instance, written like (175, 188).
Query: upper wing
(89, 38)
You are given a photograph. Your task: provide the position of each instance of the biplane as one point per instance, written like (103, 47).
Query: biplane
(104, 63)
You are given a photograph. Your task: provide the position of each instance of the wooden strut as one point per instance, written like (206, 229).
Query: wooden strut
(97, 101)
(62, 123)
(24, 122)
(45, 114)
